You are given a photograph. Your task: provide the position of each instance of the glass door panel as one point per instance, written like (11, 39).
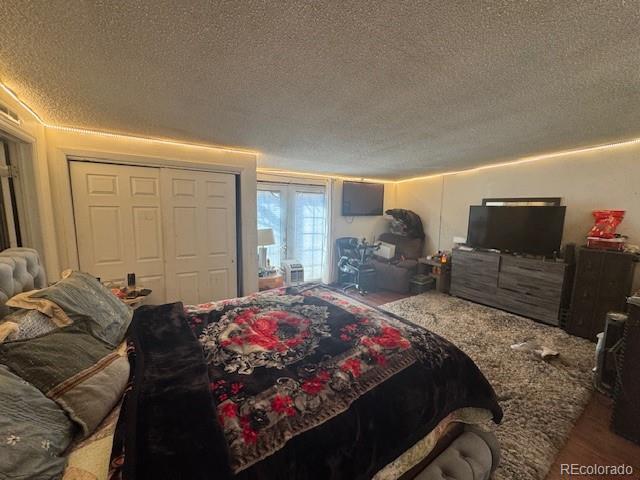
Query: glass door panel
(272, 214)
(298, 216)
(310, 232)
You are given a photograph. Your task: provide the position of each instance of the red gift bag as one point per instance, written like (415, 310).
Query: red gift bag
(606, 223)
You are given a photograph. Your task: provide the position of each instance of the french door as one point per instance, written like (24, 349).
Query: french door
(298, 216)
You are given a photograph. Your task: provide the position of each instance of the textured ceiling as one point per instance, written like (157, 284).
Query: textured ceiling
(368, 88)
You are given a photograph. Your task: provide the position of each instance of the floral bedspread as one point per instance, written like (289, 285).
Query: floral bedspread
(310, 374)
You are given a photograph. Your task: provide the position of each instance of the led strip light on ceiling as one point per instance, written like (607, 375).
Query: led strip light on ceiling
(123, 136)
(277, 171)
(274, 171)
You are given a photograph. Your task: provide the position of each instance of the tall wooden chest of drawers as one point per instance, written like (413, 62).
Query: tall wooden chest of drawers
(602, 284)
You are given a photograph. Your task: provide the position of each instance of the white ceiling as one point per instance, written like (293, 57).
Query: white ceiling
(369, 88)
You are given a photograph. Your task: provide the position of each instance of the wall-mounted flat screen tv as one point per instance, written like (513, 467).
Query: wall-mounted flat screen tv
(362, 199)
(528, 230)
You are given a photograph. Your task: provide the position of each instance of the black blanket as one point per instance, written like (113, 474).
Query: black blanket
(291, 384)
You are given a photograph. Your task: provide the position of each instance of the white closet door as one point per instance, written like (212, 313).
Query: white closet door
(199, 210)
(118, 218)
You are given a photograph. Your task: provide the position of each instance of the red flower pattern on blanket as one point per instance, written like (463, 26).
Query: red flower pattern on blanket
(271, 330)
(283, 404)
(352, 366)
(388, 337)
(316, 384)
(253, 336)
(263, 332)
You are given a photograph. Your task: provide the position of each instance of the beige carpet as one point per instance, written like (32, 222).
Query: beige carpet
(541, 400)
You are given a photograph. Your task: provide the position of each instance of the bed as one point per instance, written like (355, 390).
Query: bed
(290, 383)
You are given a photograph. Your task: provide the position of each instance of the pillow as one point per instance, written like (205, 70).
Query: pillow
(83, 374)
(80, 297)
(34, 431)
(25, 324)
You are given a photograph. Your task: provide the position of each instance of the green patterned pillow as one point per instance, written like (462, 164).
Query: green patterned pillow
(83, 374)
(80, 297)
(34, 431)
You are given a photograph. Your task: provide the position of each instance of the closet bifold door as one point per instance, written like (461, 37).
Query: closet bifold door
(199, 219)
(118, 221)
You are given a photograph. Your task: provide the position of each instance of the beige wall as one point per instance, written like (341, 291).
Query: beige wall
(359, 227)
(51, 147)
(586, 181)
(425, 198)
(32, 139)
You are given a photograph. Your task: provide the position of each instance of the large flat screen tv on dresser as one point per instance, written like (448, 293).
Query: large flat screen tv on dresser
(534, 230)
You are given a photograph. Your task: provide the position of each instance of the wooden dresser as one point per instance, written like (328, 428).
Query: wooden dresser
(526, 286)
(602, 283)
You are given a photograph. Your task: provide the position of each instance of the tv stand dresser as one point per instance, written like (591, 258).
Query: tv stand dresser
(531, 287)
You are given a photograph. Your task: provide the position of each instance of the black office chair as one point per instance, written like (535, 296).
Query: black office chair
(354, 270)
(347, 249)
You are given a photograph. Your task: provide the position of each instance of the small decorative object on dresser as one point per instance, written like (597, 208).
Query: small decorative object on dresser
(602, 283)
(626, 409)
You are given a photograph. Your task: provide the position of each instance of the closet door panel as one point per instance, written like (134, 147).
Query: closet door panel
(200, 235)
(117, 211)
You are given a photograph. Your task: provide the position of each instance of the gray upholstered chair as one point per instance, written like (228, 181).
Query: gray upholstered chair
(395, 275)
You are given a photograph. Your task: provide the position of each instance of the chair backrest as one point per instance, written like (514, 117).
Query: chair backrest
(347, 247)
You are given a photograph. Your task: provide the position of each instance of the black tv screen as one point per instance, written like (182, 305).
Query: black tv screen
(362, 199)
(532, 230)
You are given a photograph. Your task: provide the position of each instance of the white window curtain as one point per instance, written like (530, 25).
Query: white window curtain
(329, 269)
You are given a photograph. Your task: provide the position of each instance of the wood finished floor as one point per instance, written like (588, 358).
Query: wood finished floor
(590, 442)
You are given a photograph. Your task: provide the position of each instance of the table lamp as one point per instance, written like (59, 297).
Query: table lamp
(265, 238)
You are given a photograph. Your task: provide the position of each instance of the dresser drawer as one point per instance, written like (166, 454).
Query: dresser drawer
(474, 275)
(543, 280)
(529, 306)
(476, 260)
(548, 272)
(544, 289)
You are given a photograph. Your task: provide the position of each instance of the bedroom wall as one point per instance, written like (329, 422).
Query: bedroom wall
(367, 227)
(586, 181)
(48, 148)
(62, 143)
(32, 137)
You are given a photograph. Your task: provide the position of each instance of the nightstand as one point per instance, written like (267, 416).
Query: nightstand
(133, 302)
(270, 281)
(438, 270)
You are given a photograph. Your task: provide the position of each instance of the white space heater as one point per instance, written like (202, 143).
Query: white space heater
(293, 272)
